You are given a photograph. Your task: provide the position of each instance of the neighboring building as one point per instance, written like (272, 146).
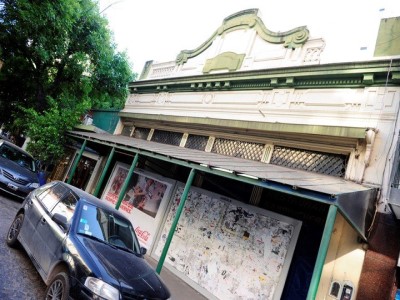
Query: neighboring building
(285, 166)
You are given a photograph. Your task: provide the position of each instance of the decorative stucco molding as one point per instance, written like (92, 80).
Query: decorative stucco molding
(248, 19)
(225, 61)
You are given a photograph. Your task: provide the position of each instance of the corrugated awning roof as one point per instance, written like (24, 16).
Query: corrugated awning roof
(354, 200)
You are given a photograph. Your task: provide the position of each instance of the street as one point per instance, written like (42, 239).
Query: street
(18, 277)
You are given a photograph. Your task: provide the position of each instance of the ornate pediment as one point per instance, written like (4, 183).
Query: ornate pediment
(248, 19)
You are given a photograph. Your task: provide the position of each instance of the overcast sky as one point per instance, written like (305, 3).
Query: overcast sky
(158, 30)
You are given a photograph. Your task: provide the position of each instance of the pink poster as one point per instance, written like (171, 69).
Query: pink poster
(145, 196)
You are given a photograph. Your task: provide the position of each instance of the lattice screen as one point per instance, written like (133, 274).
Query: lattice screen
(167, 137)
(141, 133)
(240, 149)
(325, 163)
(126, 131)
(198, 142)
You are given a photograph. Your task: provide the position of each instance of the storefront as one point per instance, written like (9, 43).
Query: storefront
(215, 237)
(252, 170)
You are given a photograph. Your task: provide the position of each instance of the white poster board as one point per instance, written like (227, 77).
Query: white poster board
(144, 202)
(227, 249)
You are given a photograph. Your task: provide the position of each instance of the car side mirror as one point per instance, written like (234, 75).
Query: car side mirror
(143, 250)
(61, 220)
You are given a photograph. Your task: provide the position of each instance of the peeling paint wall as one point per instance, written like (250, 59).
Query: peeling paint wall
(229, 249)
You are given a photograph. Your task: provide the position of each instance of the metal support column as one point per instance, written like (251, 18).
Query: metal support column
(103, 174)
(322, 252)
(78, 158)
(176, 219)
(126, 182)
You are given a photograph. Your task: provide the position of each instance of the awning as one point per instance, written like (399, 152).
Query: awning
(354, 201)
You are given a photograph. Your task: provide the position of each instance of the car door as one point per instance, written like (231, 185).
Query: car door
(49, 235)
(34, 209)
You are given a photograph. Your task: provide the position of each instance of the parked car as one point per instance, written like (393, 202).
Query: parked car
(18, 170)
(82, 247)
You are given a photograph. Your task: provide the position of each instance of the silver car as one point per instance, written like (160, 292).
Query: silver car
(18, 170)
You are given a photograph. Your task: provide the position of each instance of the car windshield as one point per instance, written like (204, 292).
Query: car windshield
(105, 226)
(18, 157)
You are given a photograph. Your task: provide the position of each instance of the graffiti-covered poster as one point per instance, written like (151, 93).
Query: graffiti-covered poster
(145, 196)
(229, 249)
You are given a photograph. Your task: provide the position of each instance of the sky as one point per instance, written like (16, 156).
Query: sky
(158, 30)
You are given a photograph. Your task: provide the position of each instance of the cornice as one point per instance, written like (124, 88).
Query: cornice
(354, 74)
(248, 19)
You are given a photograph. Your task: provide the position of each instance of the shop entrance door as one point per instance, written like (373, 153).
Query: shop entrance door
(83, 172)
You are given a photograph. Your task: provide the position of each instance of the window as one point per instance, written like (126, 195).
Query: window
(66, 206)
(107, 227)
(50, 197)
(17, 156)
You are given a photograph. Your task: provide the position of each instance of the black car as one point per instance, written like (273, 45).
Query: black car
(82, 247)
(18, 170)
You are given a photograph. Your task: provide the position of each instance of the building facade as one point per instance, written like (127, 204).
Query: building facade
(254, 171)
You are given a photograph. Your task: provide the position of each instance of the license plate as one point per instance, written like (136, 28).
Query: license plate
(11, 186)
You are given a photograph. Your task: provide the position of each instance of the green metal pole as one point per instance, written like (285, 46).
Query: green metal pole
(322, 252)
(176, 219)
(103, 174)
(126, 182)
(78, 158)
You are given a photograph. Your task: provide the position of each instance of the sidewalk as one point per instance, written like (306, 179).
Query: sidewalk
(179, 289)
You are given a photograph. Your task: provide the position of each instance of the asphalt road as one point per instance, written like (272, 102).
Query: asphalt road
(18, 277)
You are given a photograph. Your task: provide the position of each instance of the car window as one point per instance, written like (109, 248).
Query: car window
(50, 197)
(66, 206)
(103, 225)
(18, 157)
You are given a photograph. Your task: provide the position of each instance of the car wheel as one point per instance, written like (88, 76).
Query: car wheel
(58, 289)
(14, 230)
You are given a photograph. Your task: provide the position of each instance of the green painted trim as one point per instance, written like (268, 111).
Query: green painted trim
(323, 250)
(103, 173)
(275, 186)
(176, 219)
(126, 182)
(248, 19)
(349, 132)
(339, 75)
(78, 158)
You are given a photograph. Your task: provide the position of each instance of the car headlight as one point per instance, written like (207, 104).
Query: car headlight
(35, 185)
(102, 289)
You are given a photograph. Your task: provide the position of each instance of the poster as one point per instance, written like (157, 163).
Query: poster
(146, 195)
(229, 249)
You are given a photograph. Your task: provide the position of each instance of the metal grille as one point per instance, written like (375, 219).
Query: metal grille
(126, 131)
(141, 133)
(167, 137)
(14, 178)
(319, 162)
(197, 142)
(239, 149)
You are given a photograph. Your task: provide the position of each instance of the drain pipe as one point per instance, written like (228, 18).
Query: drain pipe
(322, 252)
(176, 219)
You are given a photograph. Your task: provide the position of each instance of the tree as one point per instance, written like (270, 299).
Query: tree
(59, 56)
(47, 130)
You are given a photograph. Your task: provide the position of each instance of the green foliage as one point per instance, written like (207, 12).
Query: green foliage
(48, 130)
(59, 50)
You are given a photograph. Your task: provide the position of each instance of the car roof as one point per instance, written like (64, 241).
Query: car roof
(89, 198)
(3, 141)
